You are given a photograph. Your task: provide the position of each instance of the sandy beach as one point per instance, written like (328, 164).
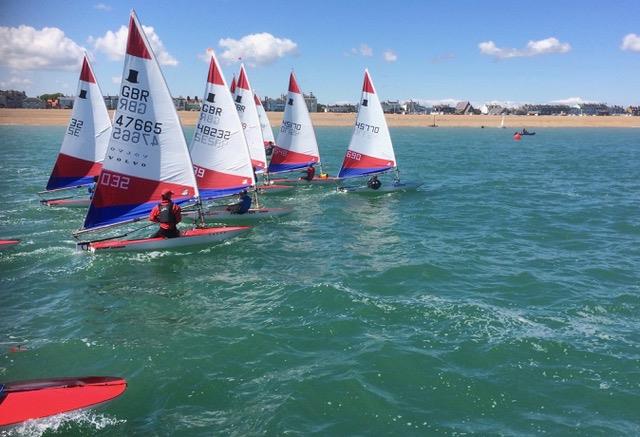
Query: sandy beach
(60, 117)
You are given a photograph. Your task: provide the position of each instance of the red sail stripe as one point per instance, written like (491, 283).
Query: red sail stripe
(293, 84)
(215, 77)
(86, 74)
(135, 41)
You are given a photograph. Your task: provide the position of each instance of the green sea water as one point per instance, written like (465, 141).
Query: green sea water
(501, 298)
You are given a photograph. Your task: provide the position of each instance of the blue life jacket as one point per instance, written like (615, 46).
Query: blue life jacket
(245, 204)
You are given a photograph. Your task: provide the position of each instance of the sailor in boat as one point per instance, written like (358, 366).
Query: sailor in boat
(524, 131)
(269, 148)
(242, 206)
(374, 183)
(168, 215)
(311, 172)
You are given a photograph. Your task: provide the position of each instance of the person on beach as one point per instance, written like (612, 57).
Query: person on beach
(374, 183)
(168, 214)
(242, 206)
(311, 172)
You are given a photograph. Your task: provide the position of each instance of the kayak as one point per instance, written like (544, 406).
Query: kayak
(264, 189)
(34, 399)
(191, 237)
(385, 188)
(5, 244)
(253, 215)
(70, 202)
(316, 180)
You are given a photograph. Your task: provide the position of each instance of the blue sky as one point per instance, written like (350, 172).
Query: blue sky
(540, 52)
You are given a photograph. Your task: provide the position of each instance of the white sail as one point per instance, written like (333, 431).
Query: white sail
(219, 150)
(370, 149)
(147, 151)
(86, 138)
(246, 107)
(297, 146)
(265, 125)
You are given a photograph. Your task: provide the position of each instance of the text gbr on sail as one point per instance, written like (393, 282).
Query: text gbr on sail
(133, 99)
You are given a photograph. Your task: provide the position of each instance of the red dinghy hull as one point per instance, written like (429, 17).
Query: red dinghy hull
(81, 202)
(264, 189)
(5, 244)
(191, 237)
(24, 400)
(315, 180)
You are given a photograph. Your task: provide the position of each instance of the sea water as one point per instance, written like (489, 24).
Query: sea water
(502, 297)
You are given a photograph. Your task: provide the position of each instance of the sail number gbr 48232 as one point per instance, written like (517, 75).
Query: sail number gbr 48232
(136, 130)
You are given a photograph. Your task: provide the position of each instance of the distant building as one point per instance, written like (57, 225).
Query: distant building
(311, 101)
(342, 108)
(392, 107)
(111, 102)
(12, 99)
(192, 104)
(180, 103)
(547, 109)
(65, 102)
(633, 110)
(34, 103)
(464, 108)
(412, 107)
(274, 105)
(594, 109)
(443, 109)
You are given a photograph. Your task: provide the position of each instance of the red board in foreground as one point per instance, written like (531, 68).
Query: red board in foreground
(34, 399)
(8, 243)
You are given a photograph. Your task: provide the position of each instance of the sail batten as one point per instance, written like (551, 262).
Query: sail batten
(370, 149)
(147, 152)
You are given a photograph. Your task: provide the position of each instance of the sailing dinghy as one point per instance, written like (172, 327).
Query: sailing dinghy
(297, 146)
(147, 154)
(84, 144)
(370, 150)
(248, 113)
(34, 399)
(219, 150)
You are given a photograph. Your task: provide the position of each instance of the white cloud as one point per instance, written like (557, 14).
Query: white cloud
(390, 56)
(256, 49)
(116, 79)
(363, 50)
(15, 82)
(102, 7)
(533, 48)
(631, 42)
(26, 48)
(206, 56)
(114, 45)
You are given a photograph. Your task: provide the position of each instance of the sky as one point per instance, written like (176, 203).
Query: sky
(508, 52)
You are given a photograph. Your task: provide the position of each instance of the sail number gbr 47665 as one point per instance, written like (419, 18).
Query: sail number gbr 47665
(136, 130)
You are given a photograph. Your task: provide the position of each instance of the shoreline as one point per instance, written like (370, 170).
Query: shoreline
(60, 117)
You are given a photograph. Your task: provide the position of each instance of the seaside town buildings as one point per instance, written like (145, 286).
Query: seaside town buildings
(19, 99)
